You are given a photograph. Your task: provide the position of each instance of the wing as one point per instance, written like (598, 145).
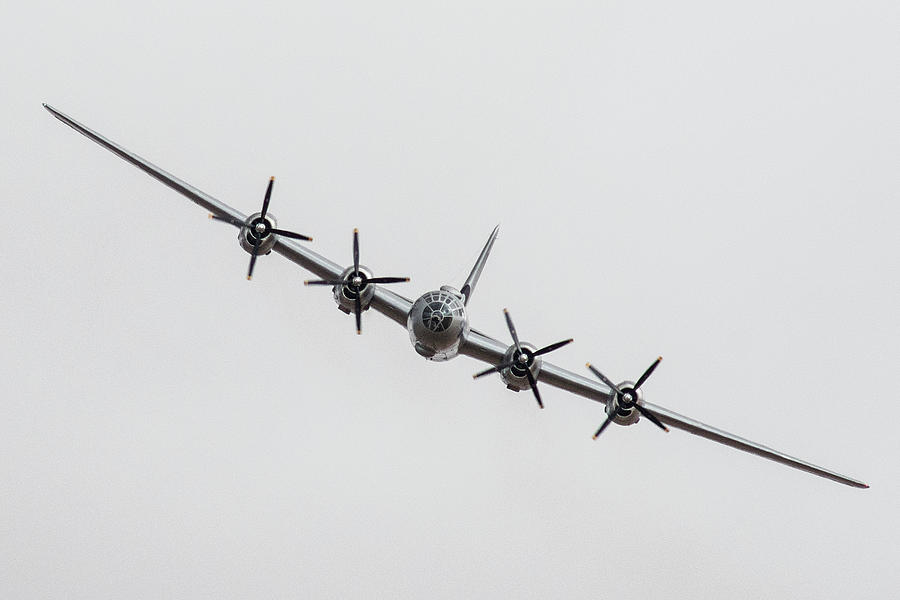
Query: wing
(393, 305)
(489, 350)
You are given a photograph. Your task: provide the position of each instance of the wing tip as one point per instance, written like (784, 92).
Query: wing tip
(852, 482)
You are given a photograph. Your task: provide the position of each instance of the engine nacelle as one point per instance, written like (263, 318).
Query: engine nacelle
(345, 295)
(514, 377)
(247, 235)
(438, 324)
(625, 416)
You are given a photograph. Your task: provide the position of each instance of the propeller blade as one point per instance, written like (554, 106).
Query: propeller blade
(651, 417)
(647, 373)
(268, 197)
(533, 384)
(512, 330)
(227, 219)
(609, 419)
(266, 230)
(387, 280)
(355, 251)
(253, 258)
(552, 347)
(325, 282)
(348, 281)
(496, 369)
(604, 379)
(291, 234)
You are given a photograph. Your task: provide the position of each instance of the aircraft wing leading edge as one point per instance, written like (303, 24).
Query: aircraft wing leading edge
(673, 419)
(392, 305)
(489, 350)
(477, 345)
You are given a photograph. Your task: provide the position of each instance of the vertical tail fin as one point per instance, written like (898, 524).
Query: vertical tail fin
(469, 286)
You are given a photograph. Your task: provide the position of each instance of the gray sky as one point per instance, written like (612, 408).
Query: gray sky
(716, 184)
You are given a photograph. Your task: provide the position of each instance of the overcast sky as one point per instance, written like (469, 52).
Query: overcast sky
(712, 182)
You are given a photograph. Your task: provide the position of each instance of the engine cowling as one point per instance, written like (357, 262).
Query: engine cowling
(345, 295)
(625, 416)
(247, 235)
(514, 376)
(354, 289)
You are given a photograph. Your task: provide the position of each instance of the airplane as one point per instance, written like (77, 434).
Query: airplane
(438, 324)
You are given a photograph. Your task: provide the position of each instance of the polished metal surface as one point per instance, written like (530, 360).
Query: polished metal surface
(267, 242)
(344, 296)
(290, 249)
(487, 349)
(185, 189)
(514, 377)
(673, 419)
(456, 337)
(438, 324)
(469, 286)
(625, 416)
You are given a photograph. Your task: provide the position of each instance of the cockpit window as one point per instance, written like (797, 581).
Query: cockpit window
(439, 311)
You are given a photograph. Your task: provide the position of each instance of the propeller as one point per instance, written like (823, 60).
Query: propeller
(259, 228)
(522, 359)
(356, 281)
(626, 397)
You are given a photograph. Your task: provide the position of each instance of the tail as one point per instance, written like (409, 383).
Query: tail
(469, 286)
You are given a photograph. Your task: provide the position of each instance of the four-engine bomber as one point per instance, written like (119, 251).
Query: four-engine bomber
(437, 322)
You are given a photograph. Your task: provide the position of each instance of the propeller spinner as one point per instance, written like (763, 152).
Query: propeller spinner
(259, 228)
(522, 359)
(354, 283)
(626, 397)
